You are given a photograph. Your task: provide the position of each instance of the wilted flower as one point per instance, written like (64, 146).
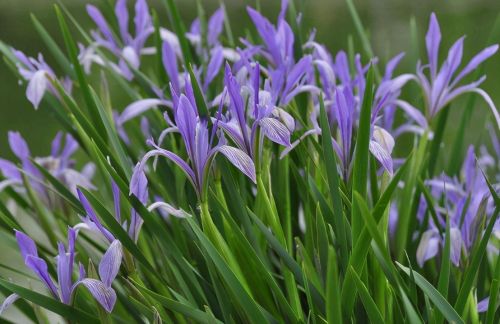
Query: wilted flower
(101, 290)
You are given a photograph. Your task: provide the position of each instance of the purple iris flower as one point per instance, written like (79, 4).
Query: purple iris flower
(101, 289)
(441, 86)
(125, 46)
(198, 142)
(59, 163)
(39, 75)
(242, 125)
(467, 202)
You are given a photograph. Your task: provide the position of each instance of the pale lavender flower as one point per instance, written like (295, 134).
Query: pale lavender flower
(59, 163)
(467, 203)
(441, 85)
(125, 46)
(101, 290)
(199, 147)
(38, 74)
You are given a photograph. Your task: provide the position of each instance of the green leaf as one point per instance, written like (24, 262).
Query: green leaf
(437, 299)
(333, 296)
(330, 164)
(175, 306)
(66, 311)
(361, 154)
(370, 306)
(82, 81)
(494, 289)
(444, 273)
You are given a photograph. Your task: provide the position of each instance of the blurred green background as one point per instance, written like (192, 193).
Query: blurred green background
(388, 22)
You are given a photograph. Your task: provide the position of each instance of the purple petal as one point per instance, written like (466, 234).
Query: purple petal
(9, 170)
(267, 32)
(456, 245)
(170, 64)
(56, 144)
(476, 60)
(382, 156)
(39, 267)
(137, 108)
(8, 302)
(428, 247)
(275, 130)
(65, 262)
(70, 147)
(101, 23)
(413, 113)
(18, 145)
(91, 214)
(432, 41)
(37, 86)
(116, 200)
(26, 245)
(106, 296)
(215, 25)
(110, 263)
(121, 13)
(391, 65)
(214, 65)
(483, 305)
(239, 159)
(142, 18)
(185, 118)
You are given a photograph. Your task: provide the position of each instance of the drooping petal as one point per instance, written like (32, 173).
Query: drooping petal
(110, 263)
(428, 246)
(105, 295)
(474, 63)
(92, 215)
(413, 113)
(381, 154)
(11, 299)
(169, 209)
(275, 130)
(137, 108)
(39, 267)
(26, 245)
(239, 159)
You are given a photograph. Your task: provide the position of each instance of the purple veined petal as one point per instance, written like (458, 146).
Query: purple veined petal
(65, 262)
(103, 294)
(101, 23)
(275, 130)
(137, 108)
(91, 214)
(285, 118)
(39, 267)
(239, 159)
(428, 246)
(381, 155)
(139, 187)
(285, 40)
(213, 66)
(474, 63)
(169, 209)
(9, 170)
(37, 86)
(110, 263)
(233, 130)
(121, 13)
(384, 138)
(26, 245)
(432, 41)
(413, 113)
(490, 103)
(11, 299)
(456, 245)
(215, 25)
(56, 144)
(186, 120)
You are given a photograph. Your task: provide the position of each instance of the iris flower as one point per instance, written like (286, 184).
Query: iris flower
(442, 84)
(467, 202)
(59, 163)
(199, 145)
(125, 46)
(101, 289)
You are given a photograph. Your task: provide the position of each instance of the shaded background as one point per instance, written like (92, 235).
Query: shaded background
(387, 20)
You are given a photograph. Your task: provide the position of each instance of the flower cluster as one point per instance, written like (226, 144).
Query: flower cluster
(310, 143)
